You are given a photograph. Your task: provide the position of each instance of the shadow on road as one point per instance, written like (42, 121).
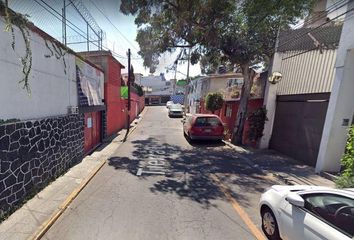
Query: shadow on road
(191, 169)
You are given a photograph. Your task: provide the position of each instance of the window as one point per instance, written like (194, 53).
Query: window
(207, 122)
(228, 110)
(229, 83)
(334, 209)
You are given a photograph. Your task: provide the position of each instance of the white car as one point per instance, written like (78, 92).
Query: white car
(307, 212)
(175, 110)
(169, 104)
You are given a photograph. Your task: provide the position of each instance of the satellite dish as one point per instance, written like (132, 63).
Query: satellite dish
(275, 77)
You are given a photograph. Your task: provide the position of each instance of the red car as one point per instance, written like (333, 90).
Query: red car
(203, 127)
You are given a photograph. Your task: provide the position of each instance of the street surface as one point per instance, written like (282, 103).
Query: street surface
(159, 186)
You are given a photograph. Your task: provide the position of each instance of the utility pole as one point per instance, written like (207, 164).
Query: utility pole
(175, 79)
(128, 113)
(64, 23)
(187, 85)
(129, 78)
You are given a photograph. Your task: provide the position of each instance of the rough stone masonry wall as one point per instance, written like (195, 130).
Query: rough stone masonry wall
(32, 153)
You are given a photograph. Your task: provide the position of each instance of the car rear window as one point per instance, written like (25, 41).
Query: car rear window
(207, 122)
(176, 108)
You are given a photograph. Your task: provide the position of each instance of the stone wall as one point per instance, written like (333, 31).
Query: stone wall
(32, 153)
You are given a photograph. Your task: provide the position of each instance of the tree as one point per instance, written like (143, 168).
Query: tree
(346, 180)
(242, 33)
(214, 102)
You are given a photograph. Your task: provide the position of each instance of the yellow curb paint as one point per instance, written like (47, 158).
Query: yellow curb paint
(239, 210)
(46, 226)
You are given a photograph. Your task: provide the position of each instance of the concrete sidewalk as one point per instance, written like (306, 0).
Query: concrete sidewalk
(27, 221)
(286, 169)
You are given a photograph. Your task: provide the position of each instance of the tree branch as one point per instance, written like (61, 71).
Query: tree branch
(171, 4)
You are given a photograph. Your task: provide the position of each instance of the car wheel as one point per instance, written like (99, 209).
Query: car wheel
(270, 225)
(189, 139)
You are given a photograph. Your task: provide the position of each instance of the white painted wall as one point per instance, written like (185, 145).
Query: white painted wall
(341, 103)
(52, 91)
(309, 72)
(195, 96)
(154, 82)
(270, 97)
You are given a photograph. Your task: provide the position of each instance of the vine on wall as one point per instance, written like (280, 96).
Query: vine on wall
(21, 22)
(56, 51)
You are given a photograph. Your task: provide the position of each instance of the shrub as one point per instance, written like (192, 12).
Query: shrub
(12, 120)
(346, 180)
(214, 101)
(256, 122)
(139, 90)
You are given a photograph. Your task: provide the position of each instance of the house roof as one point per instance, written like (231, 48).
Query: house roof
(299, 39)
(226, 75)
(159, 93)
(101, 53)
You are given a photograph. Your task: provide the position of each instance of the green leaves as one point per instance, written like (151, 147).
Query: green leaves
(347, 177)
(21, 21)
(214, 101)
(244, 31)
(256, 121)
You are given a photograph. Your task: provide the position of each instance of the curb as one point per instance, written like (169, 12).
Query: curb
(46, 226)
(249, 161)
(329, 176)
(238, 209)
(43, 229)
(284, 178)
(254, 165)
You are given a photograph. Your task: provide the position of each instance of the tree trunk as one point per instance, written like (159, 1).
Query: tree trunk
(248, 75)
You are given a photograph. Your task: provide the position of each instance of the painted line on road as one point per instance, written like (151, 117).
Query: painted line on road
(43, 229)
(239, 210)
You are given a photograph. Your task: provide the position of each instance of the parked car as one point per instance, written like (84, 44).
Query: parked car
(175, 110)
(307, 212)
(168, 104)
(203, 127)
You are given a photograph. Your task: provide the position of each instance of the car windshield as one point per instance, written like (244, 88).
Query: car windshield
(335, 209)
(207, 122)
(176, 107)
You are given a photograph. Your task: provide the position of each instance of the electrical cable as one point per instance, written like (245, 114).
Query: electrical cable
(313, 30)
(105, 15)
(37, 1)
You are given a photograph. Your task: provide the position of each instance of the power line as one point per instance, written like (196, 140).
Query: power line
(324, 14)
(113, 25)
(59, 14)
(94, 43)
(313, 29)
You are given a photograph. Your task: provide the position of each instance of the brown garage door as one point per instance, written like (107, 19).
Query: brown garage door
(298, 125)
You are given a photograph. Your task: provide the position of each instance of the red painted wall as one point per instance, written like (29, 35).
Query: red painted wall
(115, 115)
(92, 133)
(137, 105)
(253, 104)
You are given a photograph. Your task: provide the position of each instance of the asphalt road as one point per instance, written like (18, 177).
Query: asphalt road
(159, 186)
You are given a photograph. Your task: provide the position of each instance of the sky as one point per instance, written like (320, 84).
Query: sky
(118, 38)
